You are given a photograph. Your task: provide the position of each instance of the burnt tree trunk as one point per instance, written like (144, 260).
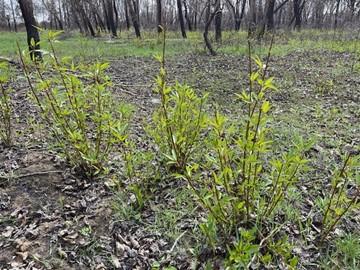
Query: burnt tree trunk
(13, 15)
(33, 37)
(209, 18)
(127, 14)
(297, 14)
(238, 13)
(337, 13)
(8, 22)
(252, 23)
(218, 17)
(187, 17)
(267, 22)
(270, 15)
(86, 20)
(159, 16)
(134, 17)
(116, 13)
(110, 17)
(181, 18)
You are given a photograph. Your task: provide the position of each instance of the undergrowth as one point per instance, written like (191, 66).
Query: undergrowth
(5, 106)
(76, 102)
(239, 182)
(242, 183)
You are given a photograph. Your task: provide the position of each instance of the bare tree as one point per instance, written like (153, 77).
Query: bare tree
(238, 13)
(181, 18)
(209, 18)
(33, 37)
(159, 16)
(337, 13)
(297, 14)
(270, 6)
(252, 22)
(132, 5)
(13, 15)
(110, 17)
(218, 18)
(187, 16)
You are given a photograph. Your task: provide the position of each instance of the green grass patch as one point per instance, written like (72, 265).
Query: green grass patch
(103, 47)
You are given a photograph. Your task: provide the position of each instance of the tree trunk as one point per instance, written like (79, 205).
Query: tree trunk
(181, 18)
(252, 23)
(159, 16)
(110, 17)
(33, 37)
(240, 15)
(116, 13)
(61, 21)
(337, 13)
(134, 17)
(187, 17)
(13, 15)
(270, 14)
(209, 18)
(218, 17)
(195, 17)
(8, 22)
(297, 14)
(127, 14)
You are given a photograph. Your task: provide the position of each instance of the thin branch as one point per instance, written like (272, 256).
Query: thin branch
(8, 177)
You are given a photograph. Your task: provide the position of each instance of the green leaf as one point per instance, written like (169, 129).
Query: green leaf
(265, 107)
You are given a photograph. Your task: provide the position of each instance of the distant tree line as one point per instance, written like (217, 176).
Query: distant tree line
(93, 17)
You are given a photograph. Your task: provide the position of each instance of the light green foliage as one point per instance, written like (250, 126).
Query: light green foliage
(178, 122)
(244, 250)
(339, 202)
(76, 103)
(5, 106)
(344, 253)
(246, 183)
(233, 43)
(325, 86)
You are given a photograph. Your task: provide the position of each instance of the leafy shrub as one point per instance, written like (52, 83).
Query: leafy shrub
(5, 106)
(76, 103)
(339, 203)
(178, 122)
(324, 86)
(247, 182)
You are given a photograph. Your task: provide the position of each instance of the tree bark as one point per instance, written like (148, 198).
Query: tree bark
(337, 13)
(13, 15)
(134, 17)
(297, 14)
(116, 13)
(187, 17)
(33, 37)
(270, 14)
(159, 16)
(209, 18)
(218, 17)
(252, 23)
(110, 17)
(127, 14)
(181, 18)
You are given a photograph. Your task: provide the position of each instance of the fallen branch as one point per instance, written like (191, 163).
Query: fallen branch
(176, 242)
(28, 175)
(4, 59)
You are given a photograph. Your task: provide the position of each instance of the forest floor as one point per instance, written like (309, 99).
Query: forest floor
(52, 219)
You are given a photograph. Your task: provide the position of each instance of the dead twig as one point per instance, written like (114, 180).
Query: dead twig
(28, 175)
(262, 242)
(176, 242)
